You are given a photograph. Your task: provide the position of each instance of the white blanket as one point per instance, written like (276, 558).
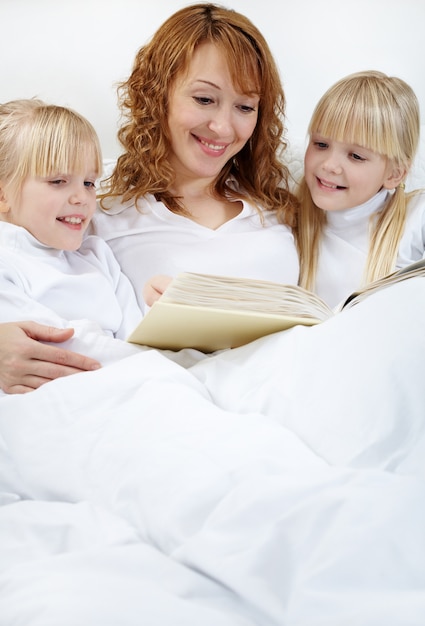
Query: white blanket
(277, 484)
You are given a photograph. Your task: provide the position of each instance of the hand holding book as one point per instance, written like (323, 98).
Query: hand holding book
(210, 312)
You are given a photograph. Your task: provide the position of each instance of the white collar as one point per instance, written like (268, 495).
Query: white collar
(347, 217)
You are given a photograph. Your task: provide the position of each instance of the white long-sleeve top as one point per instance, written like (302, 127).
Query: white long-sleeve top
(150, 239)
(58, 287)
(345, 241)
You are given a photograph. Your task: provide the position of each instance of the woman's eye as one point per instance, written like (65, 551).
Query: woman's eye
(245, 108)
(202, 100)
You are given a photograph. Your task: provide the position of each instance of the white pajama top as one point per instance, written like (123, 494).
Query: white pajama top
(151, 239)
(55, 287)
(345, 241)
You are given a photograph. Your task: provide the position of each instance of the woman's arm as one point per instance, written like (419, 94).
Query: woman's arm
(155, 287)
(26, 363)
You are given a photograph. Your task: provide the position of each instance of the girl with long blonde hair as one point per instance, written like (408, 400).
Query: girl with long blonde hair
(355, 221)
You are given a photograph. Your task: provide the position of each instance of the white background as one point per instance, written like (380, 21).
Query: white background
(72, 52)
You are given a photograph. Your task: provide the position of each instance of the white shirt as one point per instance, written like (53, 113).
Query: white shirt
(53, 287)
(345, 244)
(151, 240)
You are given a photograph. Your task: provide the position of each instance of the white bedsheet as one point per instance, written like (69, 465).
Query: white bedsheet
(231, 493)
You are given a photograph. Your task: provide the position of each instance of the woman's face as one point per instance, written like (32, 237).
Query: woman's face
(209, 121)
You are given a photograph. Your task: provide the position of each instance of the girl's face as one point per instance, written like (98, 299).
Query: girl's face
(341, 175)
(209, 121)
(57, 209)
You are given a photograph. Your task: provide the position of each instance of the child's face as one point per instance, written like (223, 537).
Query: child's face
(57, 209)
(341, 175)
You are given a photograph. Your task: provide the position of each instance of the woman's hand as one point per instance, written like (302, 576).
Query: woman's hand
(155, 287)
(26, 364)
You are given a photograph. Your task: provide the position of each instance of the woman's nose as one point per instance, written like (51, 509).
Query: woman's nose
(221, 123)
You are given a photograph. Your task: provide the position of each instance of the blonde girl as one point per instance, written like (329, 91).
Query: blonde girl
(355, 221)
(50, 271)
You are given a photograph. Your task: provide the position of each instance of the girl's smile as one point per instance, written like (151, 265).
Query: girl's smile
(343, 175)
(57, 209)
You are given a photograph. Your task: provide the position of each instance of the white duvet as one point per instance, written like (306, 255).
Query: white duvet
(277, 484)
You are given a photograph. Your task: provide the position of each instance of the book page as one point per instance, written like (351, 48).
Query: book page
(223, 292)
(410, 271)
(210, 313)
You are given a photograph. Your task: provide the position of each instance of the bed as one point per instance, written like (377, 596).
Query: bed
(247, 488)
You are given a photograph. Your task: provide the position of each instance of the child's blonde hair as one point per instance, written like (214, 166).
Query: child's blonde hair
(381, 113)
(39, 139)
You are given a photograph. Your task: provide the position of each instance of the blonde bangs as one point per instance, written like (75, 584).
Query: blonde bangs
(61, 141)
(349, 121)
(363, 111)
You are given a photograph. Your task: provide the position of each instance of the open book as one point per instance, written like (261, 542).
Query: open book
(211, 313)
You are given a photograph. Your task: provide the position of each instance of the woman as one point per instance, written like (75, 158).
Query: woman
(199, 186)
(211, 195)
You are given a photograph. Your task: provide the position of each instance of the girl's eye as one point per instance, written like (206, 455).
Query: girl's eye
(357, 157)
(57, 181)
(89, 183)
(321, 145)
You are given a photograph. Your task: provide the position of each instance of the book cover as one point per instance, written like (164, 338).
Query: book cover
(174, 326)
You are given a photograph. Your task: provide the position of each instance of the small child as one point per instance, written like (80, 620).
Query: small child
(355, 221)
(50, 271)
